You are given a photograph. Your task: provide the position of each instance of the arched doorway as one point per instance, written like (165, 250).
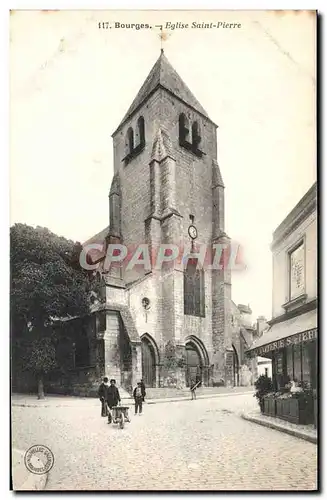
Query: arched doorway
(148, 361)
(197, 361)
(236, 375)
(193, 364)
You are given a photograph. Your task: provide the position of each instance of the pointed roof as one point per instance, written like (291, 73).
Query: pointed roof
(164, 75)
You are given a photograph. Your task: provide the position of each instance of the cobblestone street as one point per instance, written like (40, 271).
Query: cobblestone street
(188, 445)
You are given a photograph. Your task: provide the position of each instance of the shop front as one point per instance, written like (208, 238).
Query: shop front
(292, 347)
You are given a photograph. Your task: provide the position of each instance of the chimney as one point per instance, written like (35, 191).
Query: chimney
(261, 325)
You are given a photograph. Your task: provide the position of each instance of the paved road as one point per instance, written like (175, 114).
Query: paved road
(189, 445)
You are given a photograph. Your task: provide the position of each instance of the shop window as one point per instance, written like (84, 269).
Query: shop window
(289, 362)
(297, 363)
(306, 375)
(296, 272)
(312, 347)
(281, 377)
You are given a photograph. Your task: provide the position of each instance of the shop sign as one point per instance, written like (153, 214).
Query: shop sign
(293, 340)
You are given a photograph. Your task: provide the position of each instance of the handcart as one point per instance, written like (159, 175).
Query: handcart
(120, 415)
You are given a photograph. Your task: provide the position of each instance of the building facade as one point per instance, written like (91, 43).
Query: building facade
(291, 341)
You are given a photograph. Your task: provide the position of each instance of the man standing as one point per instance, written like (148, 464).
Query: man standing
(138, 398)
(113, 397)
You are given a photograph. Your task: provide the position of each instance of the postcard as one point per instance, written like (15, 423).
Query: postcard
(163, 250)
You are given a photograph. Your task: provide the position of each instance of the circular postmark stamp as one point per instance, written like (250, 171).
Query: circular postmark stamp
(39, 459)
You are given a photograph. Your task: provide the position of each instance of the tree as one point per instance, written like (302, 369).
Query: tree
(263, 387)
(47, 283)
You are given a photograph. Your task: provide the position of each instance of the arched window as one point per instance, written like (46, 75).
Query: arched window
(129, 142)
(140, 132)
(194, 301)
(196, 138)
(134, 144)
(184, 128)
(189, 135)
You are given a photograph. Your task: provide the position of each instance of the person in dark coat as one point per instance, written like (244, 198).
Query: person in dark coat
(143, 390)
(102, 392)
(113, 397)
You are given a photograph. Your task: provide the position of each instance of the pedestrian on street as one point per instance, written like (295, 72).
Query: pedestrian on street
(193, 389)
(143, 390)
(113, 398)
(138, 398)
(102, 392)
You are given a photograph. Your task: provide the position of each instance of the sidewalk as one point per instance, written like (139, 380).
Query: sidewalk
(22, 479)
(306, 432)
(30, 400)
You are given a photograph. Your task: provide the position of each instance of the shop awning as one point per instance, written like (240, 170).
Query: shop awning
(296, 330)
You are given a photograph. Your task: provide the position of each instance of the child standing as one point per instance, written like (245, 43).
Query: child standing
(193, 389)
(138, 398)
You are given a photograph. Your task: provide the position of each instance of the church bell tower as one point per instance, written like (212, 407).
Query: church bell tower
(168, 190)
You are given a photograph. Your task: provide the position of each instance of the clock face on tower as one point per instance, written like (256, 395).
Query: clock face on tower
(192, 231)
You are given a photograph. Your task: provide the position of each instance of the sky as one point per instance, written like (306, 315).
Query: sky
(72, 83)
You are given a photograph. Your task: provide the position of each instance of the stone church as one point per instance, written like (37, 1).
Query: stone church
(174, 325)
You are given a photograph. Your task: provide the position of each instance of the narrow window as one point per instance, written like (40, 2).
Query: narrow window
(141, 132)
(183, 128)
(196, 138)
(130, 139)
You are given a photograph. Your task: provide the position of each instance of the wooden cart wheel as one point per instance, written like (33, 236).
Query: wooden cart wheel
(122, 421)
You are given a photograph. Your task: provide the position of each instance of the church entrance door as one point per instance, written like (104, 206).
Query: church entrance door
(148, 364)
(193, 365)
